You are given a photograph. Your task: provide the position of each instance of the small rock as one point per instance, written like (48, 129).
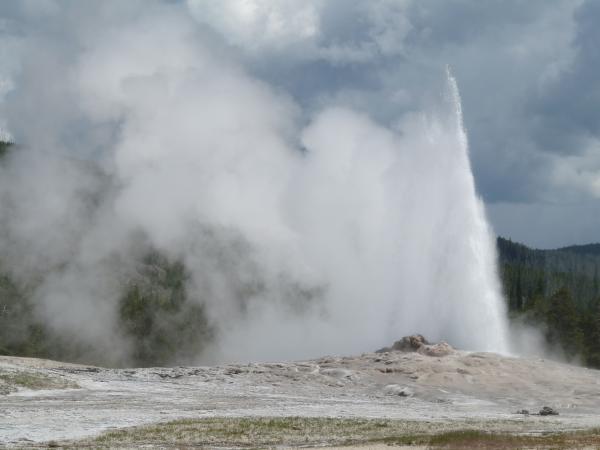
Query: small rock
(336, 373)
(400, 391)
(547, 411)
(441, 349)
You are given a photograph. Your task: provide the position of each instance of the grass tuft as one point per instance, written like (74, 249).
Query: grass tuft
(264, 432)
(12, 381)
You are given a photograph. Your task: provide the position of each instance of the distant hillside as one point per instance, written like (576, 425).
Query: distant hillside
(588, 249)
(559, 289)
(527, 273)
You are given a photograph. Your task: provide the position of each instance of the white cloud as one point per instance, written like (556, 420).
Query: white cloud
(297, 29)
(389, 24)
(258, 25)
(579, 172)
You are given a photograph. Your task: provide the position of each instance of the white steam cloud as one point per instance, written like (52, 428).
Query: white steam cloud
(337, 235)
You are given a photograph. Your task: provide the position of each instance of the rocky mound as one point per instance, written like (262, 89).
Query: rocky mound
(418, 343)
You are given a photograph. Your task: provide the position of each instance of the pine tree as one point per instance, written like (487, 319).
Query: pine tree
(592, 336)
(564, 325)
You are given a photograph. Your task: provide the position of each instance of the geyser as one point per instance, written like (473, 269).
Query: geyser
(335, 237)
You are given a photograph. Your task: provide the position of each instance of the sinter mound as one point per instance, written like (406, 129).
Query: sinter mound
(418, 343)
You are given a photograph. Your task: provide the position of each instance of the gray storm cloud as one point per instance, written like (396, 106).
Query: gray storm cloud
(304, 231)
(530, 103)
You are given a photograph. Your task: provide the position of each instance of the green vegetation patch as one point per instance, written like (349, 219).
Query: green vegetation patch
(474, 439)
(13, 381)
(259, 432)
(303, 432)
(478, 439)
(156, 315)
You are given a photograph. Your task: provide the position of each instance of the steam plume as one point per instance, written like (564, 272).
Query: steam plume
(337, 236)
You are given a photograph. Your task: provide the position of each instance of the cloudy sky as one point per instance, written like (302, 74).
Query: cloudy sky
(527, 71)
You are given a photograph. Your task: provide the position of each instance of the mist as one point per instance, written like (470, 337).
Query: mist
(304, 231)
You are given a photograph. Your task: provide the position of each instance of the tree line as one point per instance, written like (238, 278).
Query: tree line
(557, 291)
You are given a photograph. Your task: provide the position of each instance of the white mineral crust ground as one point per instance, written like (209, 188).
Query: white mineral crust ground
(484, 389)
